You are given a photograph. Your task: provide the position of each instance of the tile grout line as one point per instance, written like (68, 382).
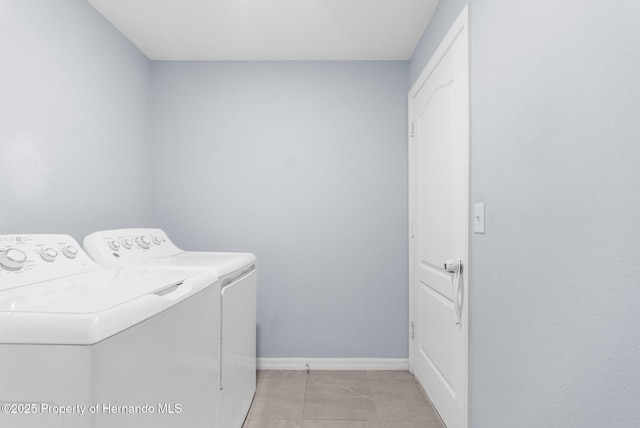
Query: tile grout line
(375, 405)
(304, 398)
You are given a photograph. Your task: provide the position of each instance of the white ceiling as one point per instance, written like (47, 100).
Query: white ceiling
(244, 30)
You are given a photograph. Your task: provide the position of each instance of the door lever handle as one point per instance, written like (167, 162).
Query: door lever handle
(453, 266)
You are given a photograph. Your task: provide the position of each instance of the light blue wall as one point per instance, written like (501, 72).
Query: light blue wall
(555, 284)
(304, 164)
(554, 295)
(74, 121)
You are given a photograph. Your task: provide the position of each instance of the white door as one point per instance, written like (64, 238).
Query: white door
(439, 221)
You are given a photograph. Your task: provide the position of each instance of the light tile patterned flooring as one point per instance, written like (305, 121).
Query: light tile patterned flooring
(340, 399)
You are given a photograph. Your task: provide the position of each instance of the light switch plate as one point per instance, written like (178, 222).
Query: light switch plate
(478, 218)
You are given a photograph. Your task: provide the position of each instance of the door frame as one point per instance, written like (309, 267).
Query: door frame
(461, 25)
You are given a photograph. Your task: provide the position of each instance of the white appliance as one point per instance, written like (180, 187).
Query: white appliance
(236, 308)
(86, 347)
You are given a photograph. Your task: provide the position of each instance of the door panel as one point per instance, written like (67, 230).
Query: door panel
(439, 206)
(434, 225)
(435, 346)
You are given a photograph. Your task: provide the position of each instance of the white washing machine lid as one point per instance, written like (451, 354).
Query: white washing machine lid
(221, 263)
(87, 308)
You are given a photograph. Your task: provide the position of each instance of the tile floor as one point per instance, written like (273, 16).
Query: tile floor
(339, 399)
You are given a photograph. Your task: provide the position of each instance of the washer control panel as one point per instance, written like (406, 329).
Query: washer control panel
(28, 259)
(117, 248)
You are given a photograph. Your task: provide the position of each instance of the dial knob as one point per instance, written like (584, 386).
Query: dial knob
(157, 240)
(70, 251)
(12, 259)
(114, 245)
(48, 255)
(143, 242)
(127, 243)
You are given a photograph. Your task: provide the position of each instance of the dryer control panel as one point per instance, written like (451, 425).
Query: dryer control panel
(30, 258)
(120, 247)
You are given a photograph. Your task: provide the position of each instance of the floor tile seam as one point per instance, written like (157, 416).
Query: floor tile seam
(375, 405)
(349, 421)
(304, 398)
(340, 420)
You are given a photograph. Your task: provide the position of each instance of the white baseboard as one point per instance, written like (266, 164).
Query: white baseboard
(333, 363)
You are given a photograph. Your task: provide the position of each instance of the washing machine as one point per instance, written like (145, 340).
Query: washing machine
(235, 309)
(82, 346)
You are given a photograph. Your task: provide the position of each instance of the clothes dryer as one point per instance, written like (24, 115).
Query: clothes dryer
(82, 346)
(236, 308)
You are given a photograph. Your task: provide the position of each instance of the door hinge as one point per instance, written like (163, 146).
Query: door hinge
(412, 234)
(411, 133)
(413, 330)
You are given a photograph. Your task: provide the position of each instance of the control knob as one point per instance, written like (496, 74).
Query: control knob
(127, 243)
(12, 259)
(157, 240)
(114, 245)
(70, 251)
(48, 254)
(143, 242)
